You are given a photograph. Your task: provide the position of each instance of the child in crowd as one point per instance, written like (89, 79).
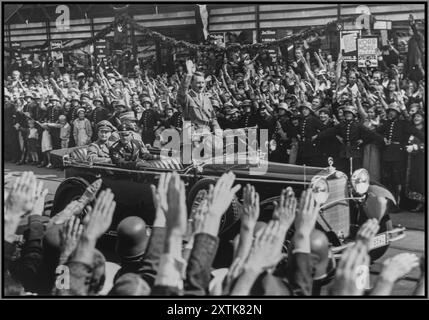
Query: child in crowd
(33, 143)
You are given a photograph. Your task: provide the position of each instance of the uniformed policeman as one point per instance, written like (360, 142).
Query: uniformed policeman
(195, 103)
(54, 113)
(283, 134)
(99, 113)
(248, 119)
(396, 133)
(309, 126)
(98, 151)
(127, 152)
(353, 135)
(149, 121)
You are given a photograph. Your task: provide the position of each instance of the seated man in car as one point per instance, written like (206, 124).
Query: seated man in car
(98, 151)
(127, 152)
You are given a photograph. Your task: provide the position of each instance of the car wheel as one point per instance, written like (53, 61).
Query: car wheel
(69, 190)
(196, 195)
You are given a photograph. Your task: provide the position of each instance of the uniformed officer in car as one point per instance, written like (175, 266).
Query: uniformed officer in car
(98, 151)
(127, 152)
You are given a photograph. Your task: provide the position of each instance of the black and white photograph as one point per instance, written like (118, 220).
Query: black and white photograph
(214, 149)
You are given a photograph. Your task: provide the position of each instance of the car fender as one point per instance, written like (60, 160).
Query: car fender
(376, 202)
(64, 188)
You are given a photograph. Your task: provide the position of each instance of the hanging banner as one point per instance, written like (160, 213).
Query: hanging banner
(57, 55)
(367, 52)
(348, 45)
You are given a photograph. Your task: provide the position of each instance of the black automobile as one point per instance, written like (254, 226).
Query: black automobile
(346, 202)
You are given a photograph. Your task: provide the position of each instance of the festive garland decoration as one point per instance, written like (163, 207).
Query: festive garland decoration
(149, 33)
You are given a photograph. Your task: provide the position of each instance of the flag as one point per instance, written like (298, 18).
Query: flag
(201, 19)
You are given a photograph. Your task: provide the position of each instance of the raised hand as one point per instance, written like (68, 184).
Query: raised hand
(159, 196)
(307, 213)
(176, 200)
(264, 253)
(221, 195)
(350, 277)
(250, 209)
(22, 197)
(39, 204)
(285, 210)
(190, 67)
(98, 221)
(234, 272)
(367, 231)
(398, 266)
(69, 237)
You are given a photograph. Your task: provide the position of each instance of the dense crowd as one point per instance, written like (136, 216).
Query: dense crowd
(174, 257)
(313, 107)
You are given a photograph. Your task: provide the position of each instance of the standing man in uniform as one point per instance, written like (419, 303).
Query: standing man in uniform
(396, 133)
(148, 121)
(353, 135)
(196, 105)
(309, 126)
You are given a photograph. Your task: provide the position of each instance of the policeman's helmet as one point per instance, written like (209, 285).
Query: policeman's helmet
(132, 237)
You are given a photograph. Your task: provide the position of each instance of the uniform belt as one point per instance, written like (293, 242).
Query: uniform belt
(395, 142)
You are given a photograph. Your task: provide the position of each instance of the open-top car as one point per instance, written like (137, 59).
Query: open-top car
(346, 202)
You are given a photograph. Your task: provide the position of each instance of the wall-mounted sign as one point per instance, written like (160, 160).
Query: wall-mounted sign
(367, 52)
(348, 45)
(270, 36)
(57, 55)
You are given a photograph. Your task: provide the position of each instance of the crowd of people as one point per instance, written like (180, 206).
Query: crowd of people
(313, 107)
(174, 257)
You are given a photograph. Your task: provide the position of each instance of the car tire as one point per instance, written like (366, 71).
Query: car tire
(229, 219)
(69, 190)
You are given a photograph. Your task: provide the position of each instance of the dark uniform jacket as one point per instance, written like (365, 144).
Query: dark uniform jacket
(98, 114)
(248, 120)
(351, 132)
(148, 122)
(396, 132)
(308, 127)
(127, 156)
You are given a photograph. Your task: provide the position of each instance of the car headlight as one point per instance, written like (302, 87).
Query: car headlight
(360, 181)
(320, 189)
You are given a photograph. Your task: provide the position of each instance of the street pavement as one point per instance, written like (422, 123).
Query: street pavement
(414, 240)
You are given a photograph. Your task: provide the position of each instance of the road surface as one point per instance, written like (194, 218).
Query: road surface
(413, 222)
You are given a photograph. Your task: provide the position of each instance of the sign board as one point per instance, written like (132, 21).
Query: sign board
(367, 52)
(383, 25)
(348, 45)
(218, 38)
(101, 48)
(270, 36)
(57, 55)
